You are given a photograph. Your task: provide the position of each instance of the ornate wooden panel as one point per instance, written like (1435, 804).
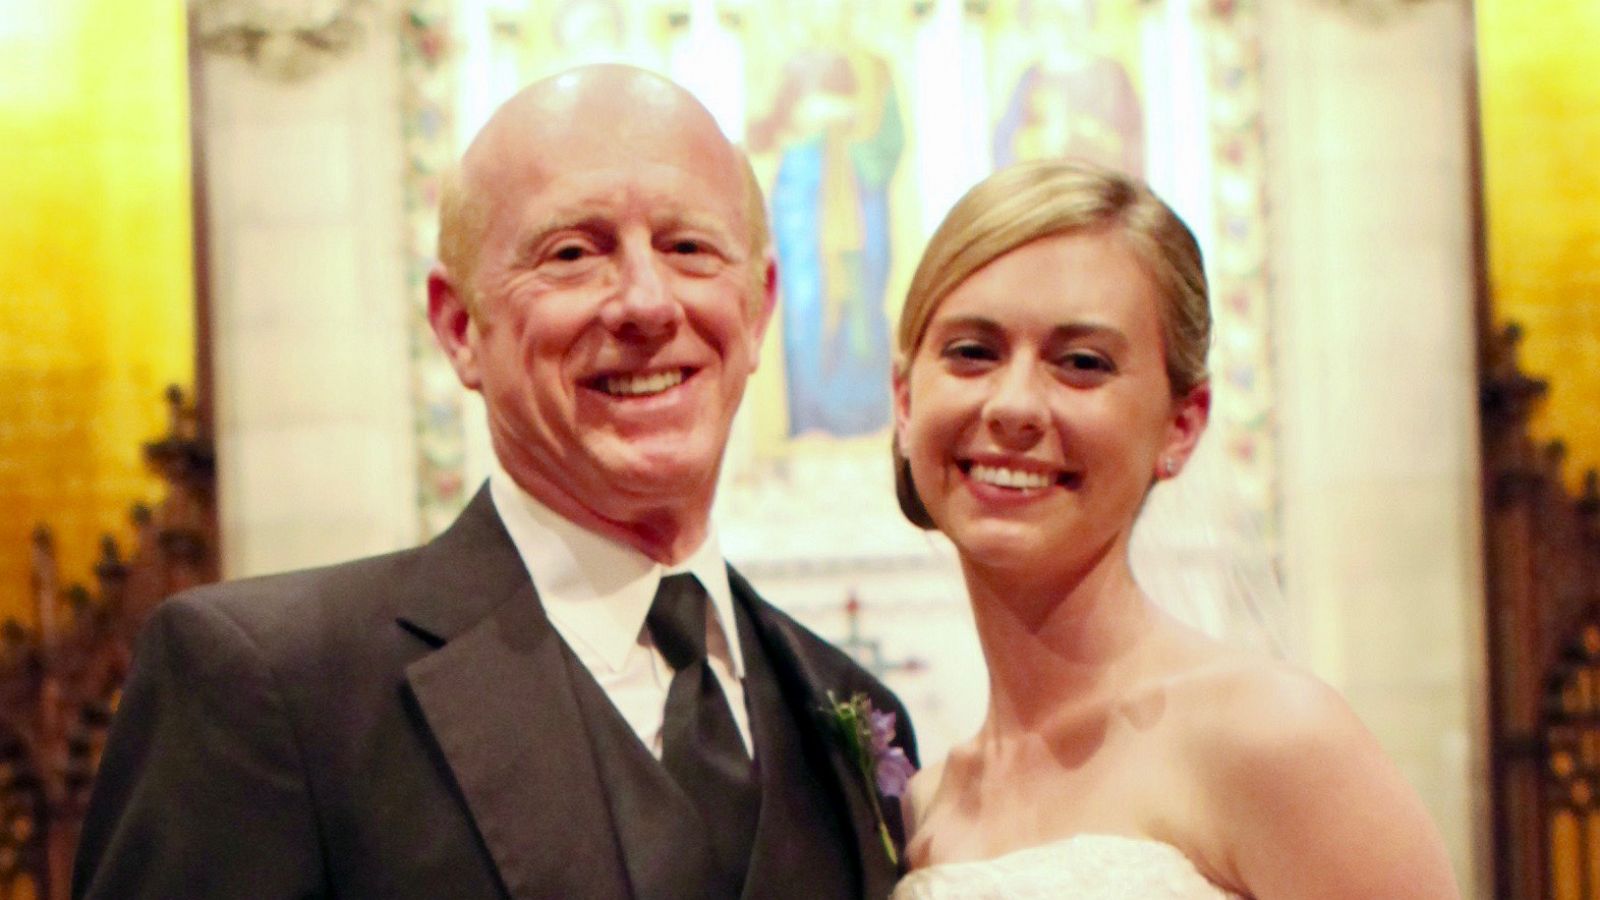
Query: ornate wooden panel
(1542, 548)
(60, 681)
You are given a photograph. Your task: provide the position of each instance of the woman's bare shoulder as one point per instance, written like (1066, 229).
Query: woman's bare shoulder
(1252, 700)
(1241, 718)
(1289, 773)
(1218, 692)
(1247, 716)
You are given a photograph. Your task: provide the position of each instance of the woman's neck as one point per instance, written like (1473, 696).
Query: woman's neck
(1055, 642)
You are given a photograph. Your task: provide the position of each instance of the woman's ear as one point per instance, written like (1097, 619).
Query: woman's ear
(902, 406)
(1190, 413)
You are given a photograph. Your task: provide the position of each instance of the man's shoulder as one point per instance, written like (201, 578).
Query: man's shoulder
(819, 650)
(348, 582)
(301, 612)
(832, 668)
(310, 604)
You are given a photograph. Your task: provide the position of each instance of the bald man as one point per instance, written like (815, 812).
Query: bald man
(568, 693)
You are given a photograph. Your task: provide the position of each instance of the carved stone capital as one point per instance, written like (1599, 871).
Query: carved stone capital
(1376, 12)
(286, 40)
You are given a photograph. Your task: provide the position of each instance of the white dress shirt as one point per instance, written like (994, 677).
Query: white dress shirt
(597, 593)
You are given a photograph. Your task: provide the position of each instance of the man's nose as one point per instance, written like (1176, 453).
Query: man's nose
(1015, 412)
(642, 307)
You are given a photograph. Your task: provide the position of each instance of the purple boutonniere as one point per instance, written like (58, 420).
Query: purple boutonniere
(866, 736)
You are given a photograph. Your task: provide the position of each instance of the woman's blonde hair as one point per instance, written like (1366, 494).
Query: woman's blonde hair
(1033, 200)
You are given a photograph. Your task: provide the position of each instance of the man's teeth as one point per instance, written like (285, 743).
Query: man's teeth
(1010, 478)
(641, 385)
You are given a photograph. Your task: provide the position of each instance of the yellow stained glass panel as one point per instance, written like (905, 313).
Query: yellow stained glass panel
(96, 282)
(1539, 76)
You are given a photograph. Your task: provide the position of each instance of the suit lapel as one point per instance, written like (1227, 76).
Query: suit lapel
(803, 826)
(498, 701)
(805, 677)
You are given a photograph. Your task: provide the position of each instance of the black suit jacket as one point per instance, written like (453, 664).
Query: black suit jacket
(401, 726)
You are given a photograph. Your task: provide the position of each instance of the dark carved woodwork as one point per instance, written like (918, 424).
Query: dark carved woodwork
(60, 681)
(1542, 550)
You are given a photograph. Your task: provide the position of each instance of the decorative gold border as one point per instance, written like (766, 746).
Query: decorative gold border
(1242, 348)
(428, 90)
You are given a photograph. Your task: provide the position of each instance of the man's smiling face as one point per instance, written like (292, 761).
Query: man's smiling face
(617, 299)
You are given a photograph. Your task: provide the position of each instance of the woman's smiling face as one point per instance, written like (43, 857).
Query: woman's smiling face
(1036, 410)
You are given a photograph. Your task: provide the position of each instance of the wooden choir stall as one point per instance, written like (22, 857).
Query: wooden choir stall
(1542, 552)
(60, 681)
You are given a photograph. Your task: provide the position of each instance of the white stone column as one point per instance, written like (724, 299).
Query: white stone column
(1367, 140)
(309, 310)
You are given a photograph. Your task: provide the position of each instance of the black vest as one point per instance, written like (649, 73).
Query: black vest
(804, 847)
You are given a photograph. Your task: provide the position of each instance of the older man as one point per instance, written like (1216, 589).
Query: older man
(568, 693)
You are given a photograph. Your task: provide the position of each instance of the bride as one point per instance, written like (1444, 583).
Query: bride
(1050, 371)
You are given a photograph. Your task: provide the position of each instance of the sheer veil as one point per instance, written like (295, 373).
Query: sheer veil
(1205, 549)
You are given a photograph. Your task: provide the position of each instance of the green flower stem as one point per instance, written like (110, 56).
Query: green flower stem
(856, 733)
(883, 824)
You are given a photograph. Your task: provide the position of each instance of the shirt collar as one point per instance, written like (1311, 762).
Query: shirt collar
(599, 590)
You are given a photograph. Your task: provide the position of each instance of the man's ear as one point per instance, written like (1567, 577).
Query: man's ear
(453, 327)
(1190, 414)
(762, 306)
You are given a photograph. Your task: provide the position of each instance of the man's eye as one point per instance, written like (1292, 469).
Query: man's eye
(687, 247)
(1084, 361)
(570, 252)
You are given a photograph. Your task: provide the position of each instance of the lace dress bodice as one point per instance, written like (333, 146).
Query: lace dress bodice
(1083, 867)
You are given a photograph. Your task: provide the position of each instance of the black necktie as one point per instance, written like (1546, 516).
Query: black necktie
(700, 744)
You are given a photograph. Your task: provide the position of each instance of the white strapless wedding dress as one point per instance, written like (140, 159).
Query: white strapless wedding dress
(1081, 867)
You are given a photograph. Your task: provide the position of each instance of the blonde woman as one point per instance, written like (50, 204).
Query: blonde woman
(1050, 373)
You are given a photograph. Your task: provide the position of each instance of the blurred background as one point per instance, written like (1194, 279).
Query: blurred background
(1399, 203)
